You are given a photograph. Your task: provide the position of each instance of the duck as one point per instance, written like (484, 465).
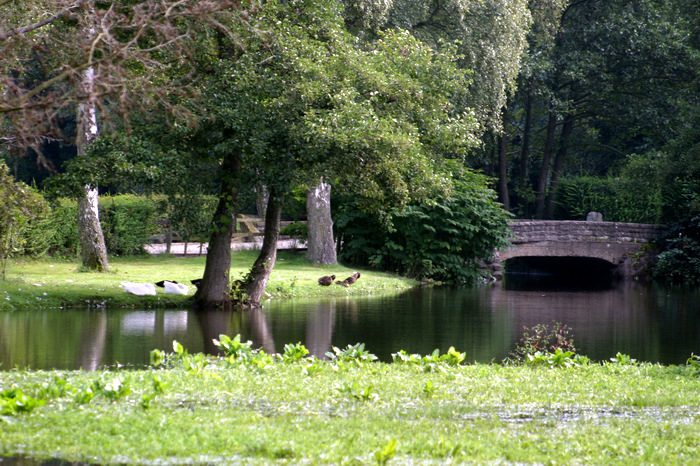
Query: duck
(175, 288)
(327, 280)
(139, 289)
(161, 283)
(350, 280)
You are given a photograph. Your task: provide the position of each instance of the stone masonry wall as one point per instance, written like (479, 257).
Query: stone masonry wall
(533, 231)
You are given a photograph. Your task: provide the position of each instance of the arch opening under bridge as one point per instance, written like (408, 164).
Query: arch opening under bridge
(577, 248)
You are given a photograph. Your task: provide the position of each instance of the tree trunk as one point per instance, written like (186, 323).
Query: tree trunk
(260, 272)
(93, 251)
(215, 289)
(320, 242)
(564, 141)
(546, 160)
(525, 152)
(261, 200)
(504, 196)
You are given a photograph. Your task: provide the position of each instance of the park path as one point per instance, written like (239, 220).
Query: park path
(193, 249)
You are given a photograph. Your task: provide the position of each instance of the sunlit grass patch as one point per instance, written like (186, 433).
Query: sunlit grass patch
(247, 406)
(59, 283)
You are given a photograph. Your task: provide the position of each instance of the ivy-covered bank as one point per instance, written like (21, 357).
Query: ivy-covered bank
(255, 408)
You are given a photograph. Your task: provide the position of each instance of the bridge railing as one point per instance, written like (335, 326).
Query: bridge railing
(530, 231)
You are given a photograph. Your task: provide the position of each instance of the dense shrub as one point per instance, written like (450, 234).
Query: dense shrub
(442, 239)
(618, 199)
(128, 222)
(19, 206)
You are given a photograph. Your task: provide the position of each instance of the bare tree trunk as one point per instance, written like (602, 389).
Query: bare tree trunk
(261, 200)
(504, 195)
(214, 289)
(93, 251)
(564, 141)
(546, 160)
(320, 242)
(260, 272)
(523, 175)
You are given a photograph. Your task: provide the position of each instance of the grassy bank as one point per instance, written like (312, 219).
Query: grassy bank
(54, 283)
(262, 409)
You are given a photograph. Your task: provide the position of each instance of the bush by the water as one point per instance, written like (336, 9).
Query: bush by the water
(440, 239)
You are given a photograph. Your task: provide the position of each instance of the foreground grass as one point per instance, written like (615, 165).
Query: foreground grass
(262, 410)
(58, 283)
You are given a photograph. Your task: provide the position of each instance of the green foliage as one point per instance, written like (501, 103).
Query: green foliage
(233, 348)
(298, 230)
(19, 206)
(440, 239)
(128, 222)
(360, 415)
(294, 352)
(15, 401)
(552, 344)
(619, 199)
(431, 362)
(386, 453)
(558, 358)
(352, 354)
(679, 262)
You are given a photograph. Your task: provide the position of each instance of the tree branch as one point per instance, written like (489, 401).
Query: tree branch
(40, 24)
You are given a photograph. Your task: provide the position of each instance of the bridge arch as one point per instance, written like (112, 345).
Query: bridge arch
(615, 243)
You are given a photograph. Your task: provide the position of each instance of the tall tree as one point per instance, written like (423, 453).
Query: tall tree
(308, 100)
(612, 72)
(56, 56)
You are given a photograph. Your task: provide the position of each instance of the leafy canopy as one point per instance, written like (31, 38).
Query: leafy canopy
(307, 99)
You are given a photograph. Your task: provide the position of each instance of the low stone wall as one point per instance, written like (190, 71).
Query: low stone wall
(534, 231)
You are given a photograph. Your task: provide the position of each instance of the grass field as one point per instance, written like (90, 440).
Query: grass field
(59, 283)
(259, 409)
(248, 407)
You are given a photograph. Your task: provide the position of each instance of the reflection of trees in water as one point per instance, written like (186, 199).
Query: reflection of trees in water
(261, 335)
(92, 341)
(217, 322)
(319, 329)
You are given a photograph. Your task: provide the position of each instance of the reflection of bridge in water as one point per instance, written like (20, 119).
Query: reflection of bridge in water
(562, 245)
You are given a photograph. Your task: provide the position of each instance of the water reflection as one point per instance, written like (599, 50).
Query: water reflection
(648, 324)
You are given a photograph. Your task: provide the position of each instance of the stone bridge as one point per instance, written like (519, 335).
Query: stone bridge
(614, 245)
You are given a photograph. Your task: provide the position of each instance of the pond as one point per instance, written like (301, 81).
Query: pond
(649, 324)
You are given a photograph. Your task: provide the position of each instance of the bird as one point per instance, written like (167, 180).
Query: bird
(139, 289)
(350, 280)
(175, 288)
(326, 280)
(162, 283)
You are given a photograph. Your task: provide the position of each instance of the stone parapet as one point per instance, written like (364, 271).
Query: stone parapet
(534, 231)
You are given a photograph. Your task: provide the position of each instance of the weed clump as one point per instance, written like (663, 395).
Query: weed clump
(542, 339)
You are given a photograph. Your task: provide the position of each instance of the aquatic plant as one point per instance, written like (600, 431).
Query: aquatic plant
(544, 339)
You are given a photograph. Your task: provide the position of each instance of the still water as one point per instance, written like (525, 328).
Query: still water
(649, 324)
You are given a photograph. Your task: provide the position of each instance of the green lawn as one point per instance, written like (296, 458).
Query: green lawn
(55, 283)
(260, 410)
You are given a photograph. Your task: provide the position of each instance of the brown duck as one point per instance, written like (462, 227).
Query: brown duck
(327, 280)
(350, 280)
